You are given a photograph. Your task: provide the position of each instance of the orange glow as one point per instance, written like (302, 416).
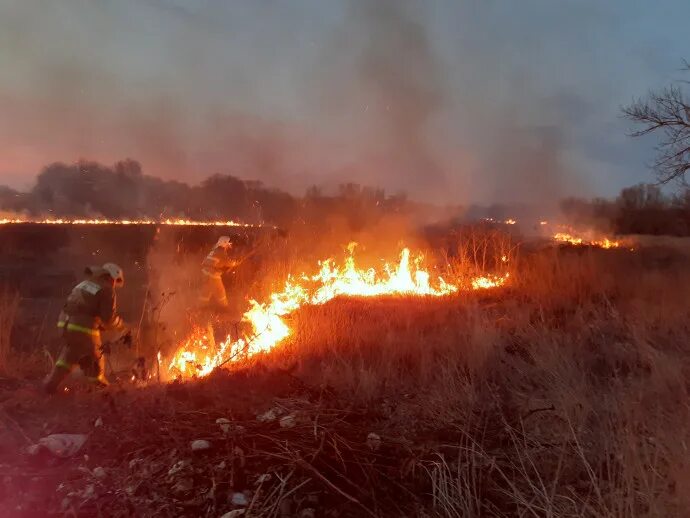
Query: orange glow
(98, 221)
(572, 239)
(490, 281)
(196, 356)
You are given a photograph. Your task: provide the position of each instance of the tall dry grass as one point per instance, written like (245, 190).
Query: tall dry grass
(564, 394)
(9, 303)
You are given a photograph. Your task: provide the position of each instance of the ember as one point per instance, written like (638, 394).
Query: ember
(198, 357)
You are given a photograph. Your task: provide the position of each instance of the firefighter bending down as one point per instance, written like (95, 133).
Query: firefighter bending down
(217, 262)
(90, 308)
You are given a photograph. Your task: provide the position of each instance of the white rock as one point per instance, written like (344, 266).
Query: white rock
(177, 467)
(34, 449)
(373, 441)
(88, 492)
(239, 499)
(234, 514)
(98, 423)
(63, 445)
(289, 421)
(270, 415)
(200, 445)
(263, 478)
(99, 473)
(224, 424)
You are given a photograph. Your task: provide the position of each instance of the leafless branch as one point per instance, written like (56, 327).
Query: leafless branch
(667, 112)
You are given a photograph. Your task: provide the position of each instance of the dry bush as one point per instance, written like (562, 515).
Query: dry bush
(9, 302)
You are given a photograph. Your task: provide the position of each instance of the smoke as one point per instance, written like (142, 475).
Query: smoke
(452, 102)
(384, 84)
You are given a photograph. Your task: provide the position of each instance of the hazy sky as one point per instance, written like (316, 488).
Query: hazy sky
(475, 100)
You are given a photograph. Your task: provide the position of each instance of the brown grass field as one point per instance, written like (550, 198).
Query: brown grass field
(564, 393)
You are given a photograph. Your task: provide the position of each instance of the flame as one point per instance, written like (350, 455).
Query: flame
(604, 242)
(491, 281)
(509, 221)
(97, 221)
(406, 277)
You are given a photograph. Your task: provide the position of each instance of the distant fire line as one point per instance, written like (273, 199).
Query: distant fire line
(126, 222)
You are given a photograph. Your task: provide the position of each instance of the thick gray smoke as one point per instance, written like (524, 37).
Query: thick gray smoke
(382, 75)
(450, 101)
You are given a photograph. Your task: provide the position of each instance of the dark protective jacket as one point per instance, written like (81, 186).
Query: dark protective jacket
(217, 262)
(91, 306)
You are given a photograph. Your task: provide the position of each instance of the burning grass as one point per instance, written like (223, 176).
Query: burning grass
(604, 242)
(564, 393)
(198, 355)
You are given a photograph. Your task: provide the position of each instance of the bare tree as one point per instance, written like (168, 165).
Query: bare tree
(666, 112)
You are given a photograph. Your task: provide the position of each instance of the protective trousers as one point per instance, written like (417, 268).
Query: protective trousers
(213, 290)
(80, 349)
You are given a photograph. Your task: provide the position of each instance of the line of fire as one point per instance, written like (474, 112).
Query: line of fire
(247, 324)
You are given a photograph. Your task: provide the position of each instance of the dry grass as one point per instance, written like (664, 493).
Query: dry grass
(565, 394)
(9, 303)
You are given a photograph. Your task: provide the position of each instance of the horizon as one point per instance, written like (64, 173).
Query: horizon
(451, 102)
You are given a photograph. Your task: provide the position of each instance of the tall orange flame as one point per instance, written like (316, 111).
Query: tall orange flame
(198, 357)
(603, 242)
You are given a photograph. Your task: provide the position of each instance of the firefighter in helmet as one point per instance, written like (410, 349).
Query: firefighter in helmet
(89, 309)
(217, 262)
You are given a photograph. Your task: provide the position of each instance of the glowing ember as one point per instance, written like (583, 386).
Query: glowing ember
(510, 222)
(491, 281)
(194, 357)
(565, 237)
(171, 222)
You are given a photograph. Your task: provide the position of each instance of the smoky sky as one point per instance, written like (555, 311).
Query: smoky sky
(448, 100)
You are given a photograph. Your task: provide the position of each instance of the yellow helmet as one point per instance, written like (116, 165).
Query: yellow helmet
(224, 241)
(115, 272)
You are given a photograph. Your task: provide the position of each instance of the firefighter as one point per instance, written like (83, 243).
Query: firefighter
(89, 309)
(217, 262)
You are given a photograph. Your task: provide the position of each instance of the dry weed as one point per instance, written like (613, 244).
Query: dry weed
(9, 303)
